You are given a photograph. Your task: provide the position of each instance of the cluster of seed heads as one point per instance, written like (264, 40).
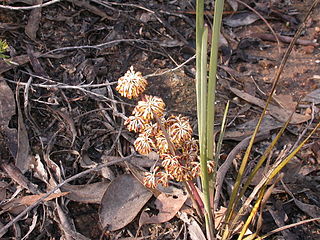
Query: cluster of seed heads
(170, 137)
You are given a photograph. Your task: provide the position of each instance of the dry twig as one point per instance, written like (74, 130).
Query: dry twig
(30, 7)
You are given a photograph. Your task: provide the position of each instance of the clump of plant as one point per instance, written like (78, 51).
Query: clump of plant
(3, 48)
(169, 136)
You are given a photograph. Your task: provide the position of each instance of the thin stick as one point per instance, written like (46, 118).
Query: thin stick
(30, 7)
(171, 70)
(95, 46)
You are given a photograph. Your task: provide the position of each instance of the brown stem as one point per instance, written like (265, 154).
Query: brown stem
(196, 196)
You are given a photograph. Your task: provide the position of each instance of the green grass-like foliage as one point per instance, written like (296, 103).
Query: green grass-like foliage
(206, 98)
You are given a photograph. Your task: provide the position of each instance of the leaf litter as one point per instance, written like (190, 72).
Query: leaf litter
(122, 201)
(75, 119)
(167, 206)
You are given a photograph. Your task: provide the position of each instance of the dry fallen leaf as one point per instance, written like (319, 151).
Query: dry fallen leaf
(15, 174)
(195, 231)
(67, 226)
(89, 193)
(122, 201)
(280, 217)
(285, 101)
(33, 21)
(240, 19)
(241, 131)
(168, 206)
(3, 190)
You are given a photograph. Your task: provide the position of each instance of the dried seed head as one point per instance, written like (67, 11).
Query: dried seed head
(132, 84)
(179, 172)
(190, 147)
(161, 143)
(210, 165)
(152, 129)
(163, 178)
(179, 129)
(135, 124)
(195, 169)
(150, 180)
(143, 144)
(150, 106)
(169, 161)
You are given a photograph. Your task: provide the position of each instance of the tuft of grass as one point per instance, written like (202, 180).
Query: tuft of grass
(205, 87)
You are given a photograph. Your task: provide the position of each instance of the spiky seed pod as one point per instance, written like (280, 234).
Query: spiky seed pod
(135, 124)
(143, 144)
(148, 107)
(132, 84)
(179, 129)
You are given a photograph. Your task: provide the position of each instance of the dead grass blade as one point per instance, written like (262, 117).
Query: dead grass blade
(263, 158)
(263, 196)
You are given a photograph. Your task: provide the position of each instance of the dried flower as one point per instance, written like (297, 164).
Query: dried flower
(135, 124)
(132, 84)
(195, 169)
(180, 173)
(150, 180)
(179, 129)
(210, 165)
(163, 178)
(190, 147)
(150, 106)
(143, 144)
(162, 143)
(169, 161)
(152, 129)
